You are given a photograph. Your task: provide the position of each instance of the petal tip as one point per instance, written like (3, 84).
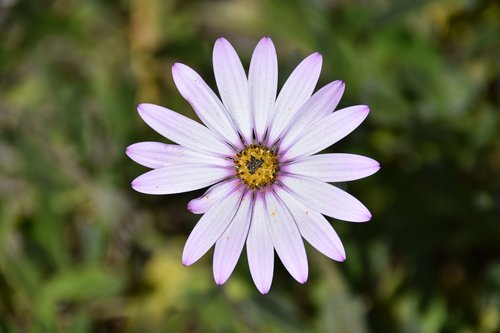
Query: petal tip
(302, 279)
(220, 280)
(190, 206)
(186, 261)
(264, 290)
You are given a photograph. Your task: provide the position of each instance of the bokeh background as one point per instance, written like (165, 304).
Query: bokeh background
(80, 251)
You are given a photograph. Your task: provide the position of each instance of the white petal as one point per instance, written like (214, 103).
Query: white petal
(286, 238)
(314, 227)
(328, 131)
(156, 155)
(333, 167)
(213, 195)
(179, 178)
(205, 103)
(233, 86)
(260, 251)
(182, 130)
(295, 92)
(326, 199)
(322, 103)
(228, 247)
(263, 84)
(210, 227)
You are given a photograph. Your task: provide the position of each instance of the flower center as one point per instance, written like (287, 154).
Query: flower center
(256, 166)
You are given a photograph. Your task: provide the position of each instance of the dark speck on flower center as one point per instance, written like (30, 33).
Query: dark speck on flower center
(256, 166)
(253, 164)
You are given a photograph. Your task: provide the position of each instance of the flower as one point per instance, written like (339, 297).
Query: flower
(257, 152)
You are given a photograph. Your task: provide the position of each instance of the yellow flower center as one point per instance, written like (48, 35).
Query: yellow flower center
(256, 166)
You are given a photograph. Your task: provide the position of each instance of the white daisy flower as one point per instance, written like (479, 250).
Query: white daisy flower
(257, 152)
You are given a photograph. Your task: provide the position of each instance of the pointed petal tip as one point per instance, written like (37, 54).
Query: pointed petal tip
(221, 40)
(190, 207)
(302, 279)
(141, 107)
(264, 290)
(186, 261)
(146, 108)
(220, 280)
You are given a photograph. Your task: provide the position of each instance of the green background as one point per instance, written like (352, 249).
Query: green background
(80, 251)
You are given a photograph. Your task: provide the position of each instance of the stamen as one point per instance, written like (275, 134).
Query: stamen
(256, 166)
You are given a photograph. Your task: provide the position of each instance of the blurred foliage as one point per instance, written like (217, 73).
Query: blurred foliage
(82, 252)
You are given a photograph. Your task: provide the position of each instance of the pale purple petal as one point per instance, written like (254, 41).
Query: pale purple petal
(228, 247)
(314, 227)
(328, 131)
(321, 104)
(182, 130)
(286, 238)
(260, 251)
(326, 199)
(333, 167)
(157, 155)
(233, 86)
(210, 227)
(213, 195)
(262, 84)
(205, 103)
(179, 178)
(295, 92)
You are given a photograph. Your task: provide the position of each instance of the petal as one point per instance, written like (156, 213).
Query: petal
(262, 84)
(213, 195)
(325, 133)
(210, 227)
(182, 130)
(156, 155)
(205, 103)
(295, 92)
(233, 86)
(179, 178)
(326, 199)
(286, 238)
(260, 251)
(322, 103)
(314, 227)
(228, 247)
(334, 167)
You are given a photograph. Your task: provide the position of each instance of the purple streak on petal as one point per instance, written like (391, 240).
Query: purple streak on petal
(260, 251)
(157, 155)
(213, 195)
(179, 178)
(333, 167)
(314, 227)
(182, 130)
(325, 198)
(262, 84)
(205, 103)
(229, 246)
(295, 92)
(325, 133)
(321, 104)
(233, 86)
(210, 227)
(286, 238)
